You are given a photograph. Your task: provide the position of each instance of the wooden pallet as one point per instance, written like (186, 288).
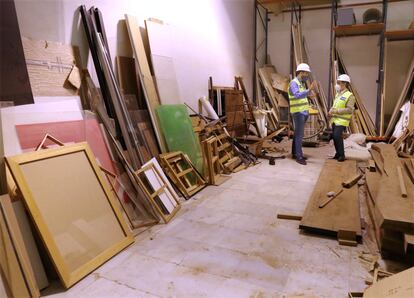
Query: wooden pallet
(182, 172)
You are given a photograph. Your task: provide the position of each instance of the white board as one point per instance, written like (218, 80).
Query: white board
(160, 41)
(65, 110)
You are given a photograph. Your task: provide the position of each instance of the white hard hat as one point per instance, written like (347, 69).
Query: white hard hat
(344, 78)
(303, 67)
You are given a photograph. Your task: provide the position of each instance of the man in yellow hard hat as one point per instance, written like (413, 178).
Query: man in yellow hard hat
(299, 108)
(341, 113)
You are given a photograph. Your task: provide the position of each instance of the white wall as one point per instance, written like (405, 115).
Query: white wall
(212, 37)
(361, 53)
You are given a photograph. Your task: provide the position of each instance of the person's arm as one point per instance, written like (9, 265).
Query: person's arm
(294, 89)
(349, 106)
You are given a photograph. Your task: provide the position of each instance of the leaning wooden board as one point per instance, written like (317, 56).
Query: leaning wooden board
(145, 76)
(396, 211)
(342, 213)
(396, 286)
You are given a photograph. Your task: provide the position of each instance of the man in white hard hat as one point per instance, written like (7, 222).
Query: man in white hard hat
(299, 108)
(341, 113)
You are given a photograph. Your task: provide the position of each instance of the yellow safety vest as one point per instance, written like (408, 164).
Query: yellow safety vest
(298, 104)
(340, 103)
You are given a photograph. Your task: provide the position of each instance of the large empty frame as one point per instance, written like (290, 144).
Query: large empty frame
(72, 207)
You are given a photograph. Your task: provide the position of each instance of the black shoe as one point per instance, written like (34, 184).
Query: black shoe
(294, 157)
(336, 156)
(341, 158)
(301, 161)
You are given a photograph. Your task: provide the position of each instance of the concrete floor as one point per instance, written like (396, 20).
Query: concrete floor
(227, 242)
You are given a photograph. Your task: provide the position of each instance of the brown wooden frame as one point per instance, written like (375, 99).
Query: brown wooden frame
(68, 277)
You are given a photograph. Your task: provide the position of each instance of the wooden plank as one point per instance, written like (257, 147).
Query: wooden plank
(373, 180)
(359, 29)
(409, 243)
(397, 212)
(289, 216)
(343, 212)
(392, 35)
(396, 286)
(14, 260)
(330, 198)
(401, 182)
(14, 78)
(351, 181)
(145, 76)
(371, 165)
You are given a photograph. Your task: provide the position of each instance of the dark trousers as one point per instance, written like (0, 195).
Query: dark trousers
(337, 131)
(299, 120)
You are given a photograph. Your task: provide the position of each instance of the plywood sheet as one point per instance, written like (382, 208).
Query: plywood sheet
(78, 131)
(15, 267)
(128, 84)
(53, 67)
(30, 244)
(342, 213)
(396, 286)
(14, 79)
(145, 76)
(30, 114)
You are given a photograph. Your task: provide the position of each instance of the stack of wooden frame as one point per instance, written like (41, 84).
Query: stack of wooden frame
(182, 173)
(390, 186)
(228, 159)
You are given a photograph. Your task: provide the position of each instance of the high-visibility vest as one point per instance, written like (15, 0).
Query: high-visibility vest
(340, 103)
(298, 104)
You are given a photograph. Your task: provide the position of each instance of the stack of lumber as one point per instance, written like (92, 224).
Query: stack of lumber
(340, 216)
(275, 100)
(318, 98)
(361, 121)
(407, 95)
(391, 201)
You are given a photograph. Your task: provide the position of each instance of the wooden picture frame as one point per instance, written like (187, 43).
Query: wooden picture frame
(72, 208)
(158, 189)
(15, 268)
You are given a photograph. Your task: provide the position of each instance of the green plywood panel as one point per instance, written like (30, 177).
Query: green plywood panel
(179, 134)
